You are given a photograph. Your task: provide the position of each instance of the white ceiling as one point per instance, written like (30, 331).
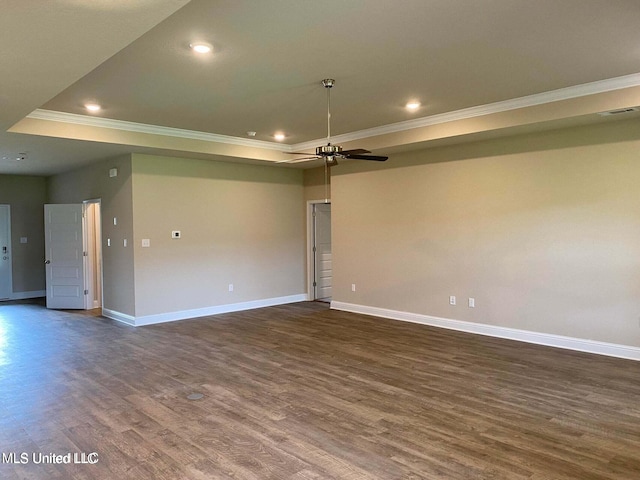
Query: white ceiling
(476, 66)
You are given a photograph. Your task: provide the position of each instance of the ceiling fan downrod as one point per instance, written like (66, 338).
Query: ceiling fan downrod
(328, 151)
(328, 83)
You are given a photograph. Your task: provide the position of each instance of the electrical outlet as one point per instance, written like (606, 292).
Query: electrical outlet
(175, 234)
(452, 300)
(231, 287)
(146, 242)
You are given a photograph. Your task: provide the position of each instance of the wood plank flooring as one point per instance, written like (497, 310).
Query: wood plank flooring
(302, 392)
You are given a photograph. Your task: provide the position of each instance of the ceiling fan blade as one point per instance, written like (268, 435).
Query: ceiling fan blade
(367, 157)
(357, 151)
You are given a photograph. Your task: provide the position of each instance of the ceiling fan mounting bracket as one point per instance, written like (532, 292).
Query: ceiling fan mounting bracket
(328, 82)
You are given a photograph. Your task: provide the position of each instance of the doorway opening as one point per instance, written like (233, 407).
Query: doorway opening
(6, 281)
(92, 234)
(319, 254)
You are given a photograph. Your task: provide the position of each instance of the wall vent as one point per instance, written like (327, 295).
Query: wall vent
(619, 111)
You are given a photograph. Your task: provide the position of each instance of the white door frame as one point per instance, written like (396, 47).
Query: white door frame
(92, 239)
(8, 254)
(311, 293)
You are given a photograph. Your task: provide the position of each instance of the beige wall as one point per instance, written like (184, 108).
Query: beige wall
(543, 230)
(116, 201)
(26, 196)
(314, 184)
(240, 224)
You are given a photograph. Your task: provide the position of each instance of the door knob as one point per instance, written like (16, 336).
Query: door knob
(47, 262)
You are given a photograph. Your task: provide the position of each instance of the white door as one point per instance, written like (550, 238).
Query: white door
(322, 251)
(6, 287)
(64, 256)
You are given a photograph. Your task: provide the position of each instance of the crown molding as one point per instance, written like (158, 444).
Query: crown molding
(101, 122)
(567, 93)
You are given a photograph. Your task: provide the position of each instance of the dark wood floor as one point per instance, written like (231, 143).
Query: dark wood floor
(303, 392)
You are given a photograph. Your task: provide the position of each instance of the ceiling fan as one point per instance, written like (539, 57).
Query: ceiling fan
(330, 153)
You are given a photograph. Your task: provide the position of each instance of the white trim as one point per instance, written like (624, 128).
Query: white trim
(120, 317)
(576, 91)
(202, 312)
(567, 93)
(100, 122)
(26, 295)
(310, 290)
(558, 341)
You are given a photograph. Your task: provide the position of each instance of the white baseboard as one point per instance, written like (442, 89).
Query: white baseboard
(25, 295)
(559, 341)
(120, 317)
(201, 312)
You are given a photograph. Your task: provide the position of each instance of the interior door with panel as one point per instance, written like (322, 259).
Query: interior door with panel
(64, 256)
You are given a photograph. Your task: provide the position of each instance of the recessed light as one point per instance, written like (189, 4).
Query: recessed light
(201, 47)
(279, 136)
(413, 105)
(92, 107)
